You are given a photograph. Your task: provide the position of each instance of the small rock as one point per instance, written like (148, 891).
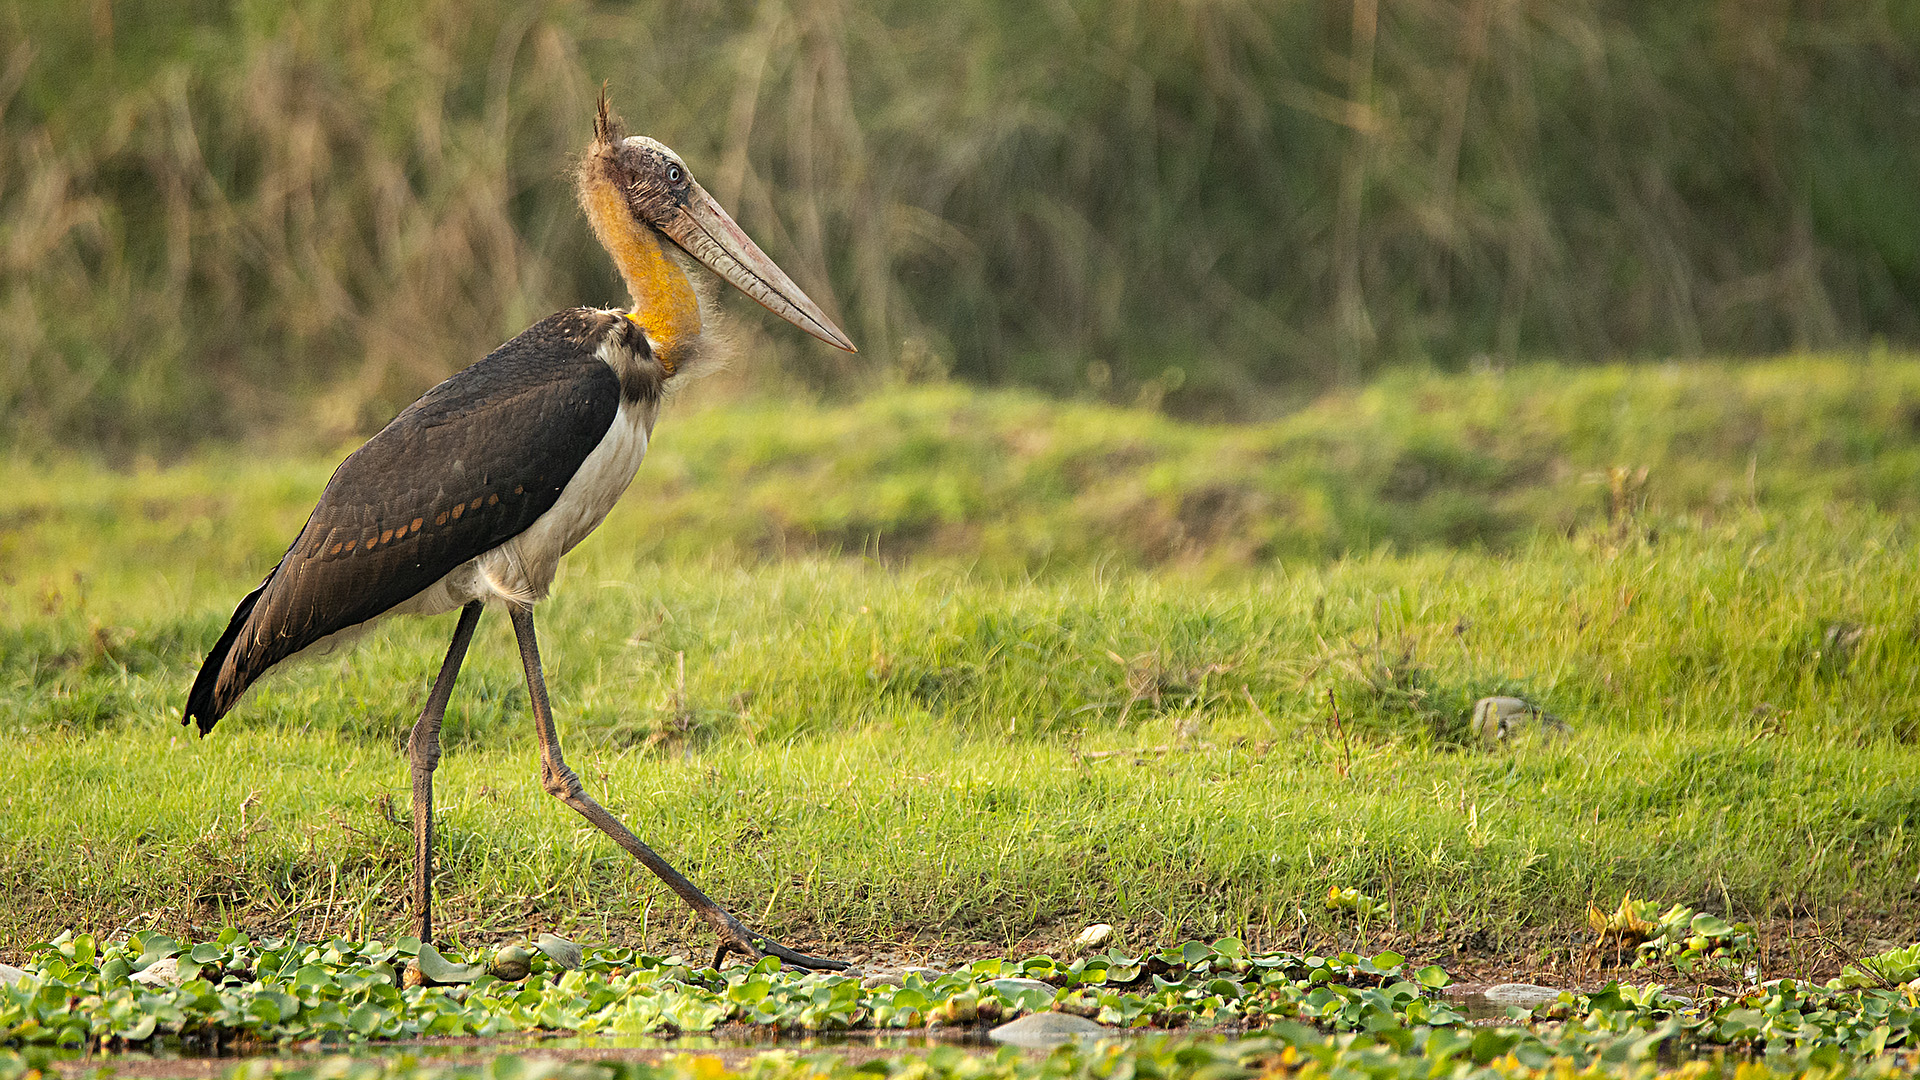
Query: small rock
(1094, 937)
(898, 976)
(1525, 995)
(160, 973)
(1014, 986)
(1039, 1030)
(10, 974)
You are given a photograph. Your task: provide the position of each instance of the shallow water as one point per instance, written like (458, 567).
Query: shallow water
(732, 1045)
(1478, 1008)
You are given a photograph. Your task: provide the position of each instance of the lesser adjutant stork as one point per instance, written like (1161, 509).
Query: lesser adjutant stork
(474, 492)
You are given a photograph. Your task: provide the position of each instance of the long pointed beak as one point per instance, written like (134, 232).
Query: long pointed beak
(710, 235)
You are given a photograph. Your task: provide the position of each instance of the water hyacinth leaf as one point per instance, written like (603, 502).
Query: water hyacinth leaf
(153, 949)
(1231, 948)
(1491, 1043)
(1021, 996)
(1710, 925)
(565, 953)
(271, 1006)
(1442, 1043)
(141, 1029)
(439, 969)
(1225, 988)
(312, 976)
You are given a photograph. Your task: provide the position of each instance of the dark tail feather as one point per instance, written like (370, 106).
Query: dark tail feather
(204, 705)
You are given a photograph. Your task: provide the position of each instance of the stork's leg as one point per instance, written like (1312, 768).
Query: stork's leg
(423, 749)
(564, 785)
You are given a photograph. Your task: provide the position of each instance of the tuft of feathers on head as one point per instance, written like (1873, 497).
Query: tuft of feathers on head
(608, 130)
(607, 126)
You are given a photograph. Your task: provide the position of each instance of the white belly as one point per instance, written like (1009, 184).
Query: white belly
(520, 571)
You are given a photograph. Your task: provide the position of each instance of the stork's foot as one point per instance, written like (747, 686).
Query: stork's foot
(736, 938)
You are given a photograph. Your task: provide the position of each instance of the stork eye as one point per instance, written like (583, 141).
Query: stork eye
(676, 175)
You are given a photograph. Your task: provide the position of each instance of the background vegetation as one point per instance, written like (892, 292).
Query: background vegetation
(225, 219)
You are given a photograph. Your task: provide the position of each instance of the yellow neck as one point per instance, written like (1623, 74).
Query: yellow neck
(664, 303)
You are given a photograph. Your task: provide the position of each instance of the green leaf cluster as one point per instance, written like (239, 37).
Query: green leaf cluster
(78, 993)
(1689, 940)
(1289, 1051)
(1341, 1016)
(1780, 1016)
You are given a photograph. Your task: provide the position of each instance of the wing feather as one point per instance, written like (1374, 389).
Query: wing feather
(468, 466)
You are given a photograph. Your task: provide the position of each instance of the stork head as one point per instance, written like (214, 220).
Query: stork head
(637, 193)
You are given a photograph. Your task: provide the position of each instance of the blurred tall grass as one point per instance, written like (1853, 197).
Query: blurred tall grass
(224, 219)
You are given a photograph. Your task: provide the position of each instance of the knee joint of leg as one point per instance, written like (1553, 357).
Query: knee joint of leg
(560, 783)
(424, 755)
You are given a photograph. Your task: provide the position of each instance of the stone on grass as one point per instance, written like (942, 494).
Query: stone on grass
(1045, 1029)
(1015, 985)
(160, 973)
(1525, 995)
(1094, 937)
(10, 974)
(898, 976)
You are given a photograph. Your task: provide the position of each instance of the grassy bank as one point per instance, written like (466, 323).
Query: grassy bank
(997, 741)
(1017, 483)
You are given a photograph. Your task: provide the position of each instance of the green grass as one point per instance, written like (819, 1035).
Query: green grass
(1002, 739)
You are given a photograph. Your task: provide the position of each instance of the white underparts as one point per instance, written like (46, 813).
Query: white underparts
(520, 571)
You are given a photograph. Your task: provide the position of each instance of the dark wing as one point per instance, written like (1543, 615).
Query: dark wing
(467, 467)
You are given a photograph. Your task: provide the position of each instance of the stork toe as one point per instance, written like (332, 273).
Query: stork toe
(735, 937)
